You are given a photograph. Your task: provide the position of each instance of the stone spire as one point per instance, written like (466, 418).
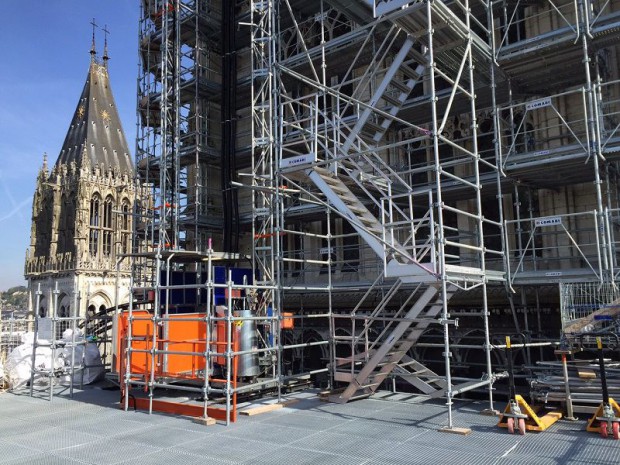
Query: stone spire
(95, 130)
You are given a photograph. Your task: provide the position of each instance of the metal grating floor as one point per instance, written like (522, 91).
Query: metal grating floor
(91, 429)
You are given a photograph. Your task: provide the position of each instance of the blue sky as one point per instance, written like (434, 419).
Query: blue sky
(43, 64)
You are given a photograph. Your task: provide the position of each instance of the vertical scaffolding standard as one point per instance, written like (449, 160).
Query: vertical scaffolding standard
(178, 162)
(195, 314)
(265, 184)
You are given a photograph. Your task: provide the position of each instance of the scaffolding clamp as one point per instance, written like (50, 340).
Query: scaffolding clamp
(448, 321)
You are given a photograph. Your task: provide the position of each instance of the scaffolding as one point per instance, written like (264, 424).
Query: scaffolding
(375, 165)
(57, 347)
(335, 153)
(203, 318)
(48, 330)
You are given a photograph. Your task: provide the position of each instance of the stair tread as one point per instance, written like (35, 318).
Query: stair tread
(396, 352)
(392, 100)
(371, 126)
(380, 128)
(409, 363)
(402, 86)
(356, 207)
(340, 188)
(332, 181)
(371, 385)
(411, 72)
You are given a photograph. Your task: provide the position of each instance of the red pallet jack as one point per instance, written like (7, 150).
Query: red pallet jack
(518, 410)
(608, 413)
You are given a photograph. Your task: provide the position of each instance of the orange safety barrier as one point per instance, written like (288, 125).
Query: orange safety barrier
(166, 205)
(169, 7)
(184, 335)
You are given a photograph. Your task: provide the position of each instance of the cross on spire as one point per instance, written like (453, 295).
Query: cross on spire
(93, 50)
(105, 45)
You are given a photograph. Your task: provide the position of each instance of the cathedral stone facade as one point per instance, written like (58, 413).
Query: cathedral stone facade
(82, 211)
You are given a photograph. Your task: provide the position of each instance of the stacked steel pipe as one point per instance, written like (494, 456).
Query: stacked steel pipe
(584, 382)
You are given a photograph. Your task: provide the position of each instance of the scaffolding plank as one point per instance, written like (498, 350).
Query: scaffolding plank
(260, 409)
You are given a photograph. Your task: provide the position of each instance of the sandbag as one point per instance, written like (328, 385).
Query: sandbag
(18, 365)
(85, 356)
(86, 359)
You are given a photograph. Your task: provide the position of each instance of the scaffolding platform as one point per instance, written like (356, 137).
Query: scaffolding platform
(534, 61)
(91, 428)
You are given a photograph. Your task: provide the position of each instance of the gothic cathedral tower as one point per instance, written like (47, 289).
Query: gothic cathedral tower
(82, 210)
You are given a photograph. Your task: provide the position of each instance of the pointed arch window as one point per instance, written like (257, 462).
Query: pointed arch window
(70, 223)
(66, 223)
(108, 225)
(126, 227)
(95, 225)
(62, 225)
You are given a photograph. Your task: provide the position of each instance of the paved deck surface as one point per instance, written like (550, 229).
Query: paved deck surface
(91, 429)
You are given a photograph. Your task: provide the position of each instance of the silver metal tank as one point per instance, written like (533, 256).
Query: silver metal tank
(245, 331)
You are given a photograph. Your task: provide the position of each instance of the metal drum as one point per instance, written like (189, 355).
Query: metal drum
(245, 334)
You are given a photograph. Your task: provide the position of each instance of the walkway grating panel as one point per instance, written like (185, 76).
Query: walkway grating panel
(233, 451)
(106, 452)
(291, 455)
(44, 459)
(10, 451)
(80, 431)
(273, 434)
(52, 439)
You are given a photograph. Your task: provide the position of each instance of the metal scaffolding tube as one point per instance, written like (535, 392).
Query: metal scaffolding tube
(439, 217)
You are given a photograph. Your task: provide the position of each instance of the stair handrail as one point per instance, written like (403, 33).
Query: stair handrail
(389, 326)
(369, 319)
(373, 68)
(368, 153)
(367, 293)
(427, 246)
(354, 222)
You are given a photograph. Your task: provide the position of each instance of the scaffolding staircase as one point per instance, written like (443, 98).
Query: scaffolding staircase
(421, 377)
(397, 223)
(384, 346)
(398, 81)
(357, 185)
(362, 169)
(397, 259)
(370, 363)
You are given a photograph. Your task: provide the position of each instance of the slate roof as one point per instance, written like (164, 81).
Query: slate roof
(96, 129)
